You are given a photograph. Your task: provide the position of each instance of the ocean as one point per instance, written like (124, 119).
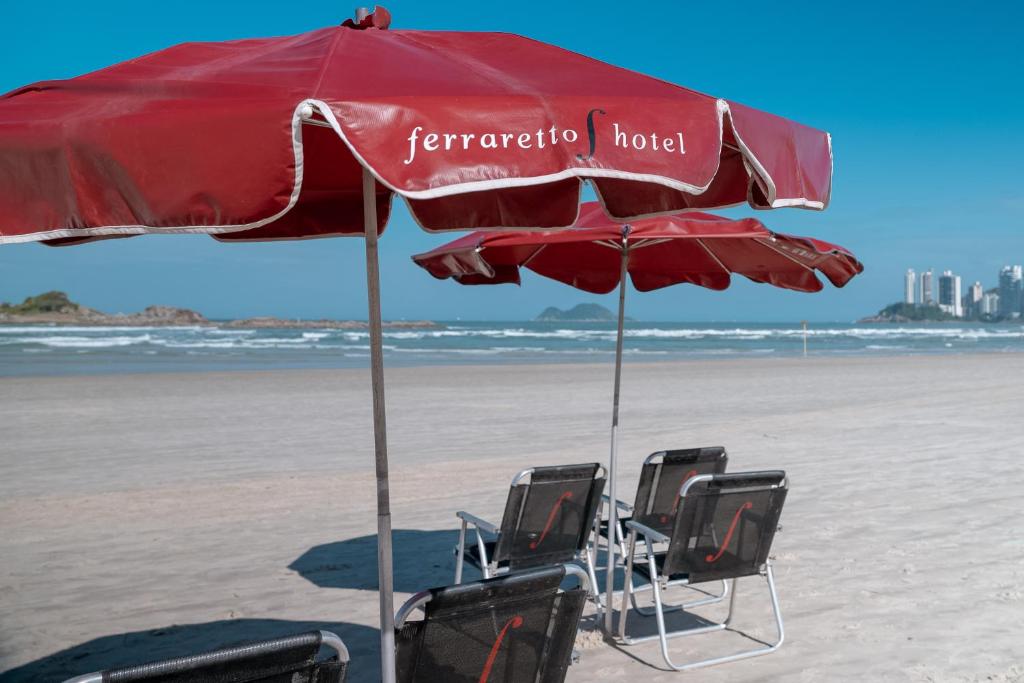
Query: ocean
(50, 350)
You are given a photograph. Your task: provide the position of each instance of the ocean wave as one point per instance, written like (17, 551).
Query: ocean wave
(739, 333)
(234, 333)
(513, 342)
(65, 342)
(99, 329)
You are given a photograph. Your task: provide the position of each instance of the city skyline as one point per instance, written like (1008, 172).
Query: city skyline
(1003, 301)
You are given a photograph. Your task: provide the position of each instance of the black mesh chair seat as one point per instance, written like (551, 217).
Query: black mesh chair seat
(644, 570)
(519, 627)
(473, 555)
(291, 659)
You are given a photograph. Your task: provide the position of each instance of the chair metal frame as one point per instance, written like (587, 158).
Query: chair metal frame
(711, 597)
(659, 583)
(489, 567)
(327, 639)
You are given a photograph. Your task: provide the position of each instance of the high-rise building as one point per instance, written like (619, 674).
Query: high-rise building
(990, 303)
(1018, 276)
(926, 298)
(957, 298)
(972, 300)
(949, 294)
(909, 280)
(1010, 292)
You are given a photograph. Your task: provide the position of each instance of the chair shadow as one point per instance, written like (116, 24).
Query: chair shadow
(422, 559)
(178, 640)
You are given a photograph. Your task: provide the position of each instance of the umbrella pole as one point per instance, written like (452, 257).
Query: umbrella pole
(613, 504)
(380, 443)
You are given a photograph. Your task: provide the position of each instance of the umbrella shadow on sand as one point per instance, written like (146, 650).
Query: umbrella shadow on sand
(423, 559)
(179, 640)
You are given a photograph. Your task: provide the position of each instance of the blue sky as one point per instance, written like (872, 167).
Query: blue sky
(923, 101)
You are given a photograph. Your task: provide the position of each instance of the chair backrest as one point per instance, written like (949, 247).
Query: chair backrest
(517, 628)
(662, 478)
(549, 515)
(292, 659)
(725, 525)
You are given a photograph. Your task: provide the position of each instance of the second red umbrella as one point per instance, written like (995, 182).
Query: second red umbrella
(597, 254)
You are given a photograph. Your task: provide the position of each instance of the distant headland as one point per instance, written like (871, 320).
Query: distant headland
(909, 313)
(581, 313)
(56, 308)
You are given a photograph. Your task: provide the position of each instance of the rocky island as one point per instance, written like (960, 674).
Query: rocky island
(581, 313)
(56, 308)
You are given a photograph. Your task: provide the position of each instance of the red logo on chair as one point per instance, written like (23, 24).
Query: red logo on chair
(679, 493)
(514, 622)
(728, 535)
(551, 519)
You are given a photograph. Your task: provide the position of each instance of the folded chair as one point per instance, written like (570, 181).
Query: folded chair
(516, 628)
(548, 519)
(292, 659)
(722, 530)
(662, 477)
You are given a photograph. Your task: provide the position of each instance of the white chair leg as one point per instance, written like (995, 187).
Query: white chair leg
(595, 591)
(621, 534)
(460, 553)
(757, 652)
(485, 562)
(627, 586)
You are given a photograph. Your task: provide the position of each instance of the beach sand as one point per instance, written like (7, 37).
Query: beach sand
(147, 516)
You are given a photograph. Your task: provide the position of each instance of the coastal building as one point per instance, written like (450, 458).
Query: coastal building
(972, 300)
(1010, 292)
(926, 298)
(909, 280)
(990, 303)
(949, 294)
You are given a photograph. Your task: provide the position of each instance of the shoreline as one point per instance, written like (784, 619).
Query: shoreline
(523, 364)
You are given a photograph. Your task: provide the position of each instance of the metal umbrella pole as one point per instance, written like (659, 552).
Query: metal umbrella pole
(380, 440)
(613, 503)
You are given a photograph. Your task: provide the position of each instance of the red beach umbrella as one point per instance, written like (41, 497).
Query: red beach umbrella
(597, 254)
(313, 135)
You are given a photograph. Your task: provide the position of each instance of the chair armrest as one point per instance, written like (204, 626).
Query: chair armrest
(647, 531)
(622, 505)
(477, 522)
(412, 604)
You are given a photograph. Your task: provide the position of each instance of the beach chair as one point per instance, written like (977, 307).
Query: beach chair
(549, 516)
(722, 530)
(519, 627)
(662, 477)
(291, 659)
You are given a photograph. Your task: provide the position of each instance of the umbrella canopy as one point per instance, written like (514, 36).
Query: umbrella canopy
(596, 255)
(473, 130)
(692, 247)
(312, 136)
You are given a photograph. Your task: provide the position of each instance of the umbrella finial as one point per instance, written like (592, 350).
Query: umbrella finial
(379, 18)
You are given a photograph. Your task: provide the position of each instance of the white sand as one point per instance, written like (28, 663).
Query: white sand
(138, 513)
